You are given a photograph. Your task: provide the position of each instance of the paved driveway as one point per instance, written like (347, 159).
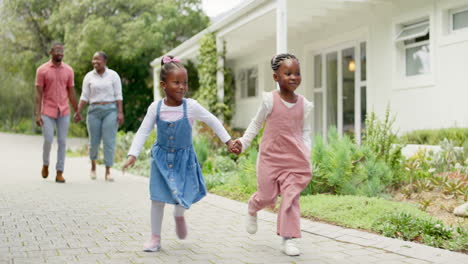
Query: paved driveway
(85, 221)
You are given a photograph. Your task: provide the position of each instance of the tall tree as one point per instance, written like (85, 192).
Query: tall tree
(132, 33)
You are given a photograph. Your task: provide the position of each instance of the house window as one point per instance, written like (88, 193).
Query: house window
(318, 71)
(248, 82)
(415, 40)
(459, 19)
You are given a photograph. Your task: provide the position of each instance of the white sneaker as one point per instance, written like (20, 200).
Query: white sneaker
(251, 224)
(290, 248)
(92, 174)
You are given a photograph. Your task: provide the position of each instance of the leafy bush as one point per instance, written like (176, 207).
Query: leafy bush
(432, 232)
(380, 138)
(342, 167)
(450, 158)
(459, 136)
(201, 144)
(207, 93)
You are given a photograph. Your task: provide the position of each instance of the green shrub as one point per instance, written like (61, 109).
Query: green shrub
(201, 144)
(77, 130)
(459, 136)
(342, 167)
(427, 230)
(380, 138)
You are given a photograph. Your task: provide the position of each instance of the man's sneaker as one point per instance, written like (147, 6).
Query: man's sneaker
(251, 224)
(290, 248)
(181, 227)
(45, 171)
(153, 244)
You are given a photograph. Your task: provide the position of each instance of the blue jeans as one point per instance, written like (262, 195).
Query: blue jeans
(102, 124)
(62, 123)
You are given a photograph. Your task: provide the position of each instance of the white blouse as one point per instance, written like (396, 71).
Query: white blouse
(265, 109)
(172, 113)
(101, 88)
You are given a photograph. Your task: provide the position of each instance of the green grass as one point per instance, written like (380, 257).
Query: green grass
(458, 135)
(352, 211)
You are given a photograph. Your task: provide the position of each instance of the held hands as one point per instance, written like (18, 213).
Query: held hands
(77, 117)
(234, 146)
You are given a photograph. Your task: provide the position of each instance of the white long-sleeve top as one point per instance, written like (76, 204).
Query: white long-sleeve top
(105, 87)
(265, 109)
(172, 113)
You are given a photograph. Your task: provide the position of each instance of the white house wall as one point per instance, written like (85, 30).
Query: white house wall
(434, 101)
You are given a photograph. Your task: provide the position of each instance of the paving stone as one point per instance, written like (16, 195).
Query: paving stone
(86, 221)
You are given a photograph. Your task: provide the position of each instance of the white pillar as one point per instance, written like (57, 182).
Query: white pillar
(220, 70)
(281, 26)
(156, 92)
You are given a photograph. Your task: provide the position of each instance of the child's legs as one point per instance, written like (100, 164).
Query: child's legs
(179, 210)
(157, 214)
(48, 134)
(266, 194)
(289, 215)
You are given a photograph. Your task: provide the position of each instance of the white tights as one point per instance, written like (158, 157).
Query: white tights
(157, 213)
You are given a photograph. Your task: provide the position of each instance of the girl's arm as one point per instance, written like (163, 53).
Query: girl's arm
(145, 129)
(257, 122)
(198, 112)
(307, 129)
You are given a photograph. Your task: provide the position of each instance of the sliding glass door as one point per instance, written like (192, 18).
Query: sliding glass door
(340, 90)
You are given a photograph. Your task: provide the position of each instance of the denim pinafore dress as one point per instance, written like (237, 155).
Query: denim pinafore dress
(176, 177)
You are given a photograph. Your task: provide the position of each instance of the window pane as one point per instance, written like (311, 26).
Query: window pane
(252, 83)
(318, 113)
(363, 107)
(348, 60)
(242, 80)
(460, 20)
(317, 71)
(417, 60)
(332, 89)
(363, 62)
(413, 31)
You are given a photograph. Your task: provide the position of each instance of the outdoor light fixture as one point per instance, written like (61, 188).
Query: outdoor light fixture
(351, 65)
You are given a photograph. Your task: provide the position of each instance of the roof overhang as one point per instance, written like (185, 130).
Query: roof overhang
(253, 23)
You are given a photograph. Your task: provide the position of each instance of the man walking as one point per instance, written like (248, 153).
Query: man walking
(54, 88)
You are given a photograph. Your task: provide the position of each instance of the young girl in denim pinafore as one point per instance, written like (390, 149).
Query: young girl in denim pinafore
(176, 176)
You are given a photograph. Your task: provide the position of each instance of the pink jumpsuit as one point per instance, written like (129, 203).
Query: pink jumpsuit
(283, 166)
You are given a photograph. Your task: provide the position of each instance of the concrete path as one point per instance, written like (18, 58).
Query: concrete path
(85, 221)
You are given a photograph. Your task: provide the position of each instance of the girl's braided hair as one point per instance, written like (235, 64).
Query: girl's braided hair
(169, 66)
(278, 59)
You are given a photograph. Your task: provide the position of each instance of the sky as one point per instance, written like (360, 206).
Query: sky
(216, 7)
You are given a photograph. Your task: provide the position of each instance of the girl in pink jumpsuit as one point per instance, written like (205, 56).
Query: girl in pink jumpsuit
(283, 164)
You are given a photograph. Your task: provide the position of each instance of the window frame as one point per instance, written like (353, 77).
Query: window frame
(402, 46)
(244, 82)
(415, 35)
(452, 13)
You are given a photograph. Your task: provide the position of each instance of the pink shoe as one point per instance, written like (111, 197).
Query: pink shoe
(152, 245)
(181, 227)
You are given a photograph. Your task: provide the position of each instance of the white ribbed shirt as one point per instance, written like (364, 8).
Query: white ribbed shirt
(172, 113)
(265, 109)
(101, 88)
